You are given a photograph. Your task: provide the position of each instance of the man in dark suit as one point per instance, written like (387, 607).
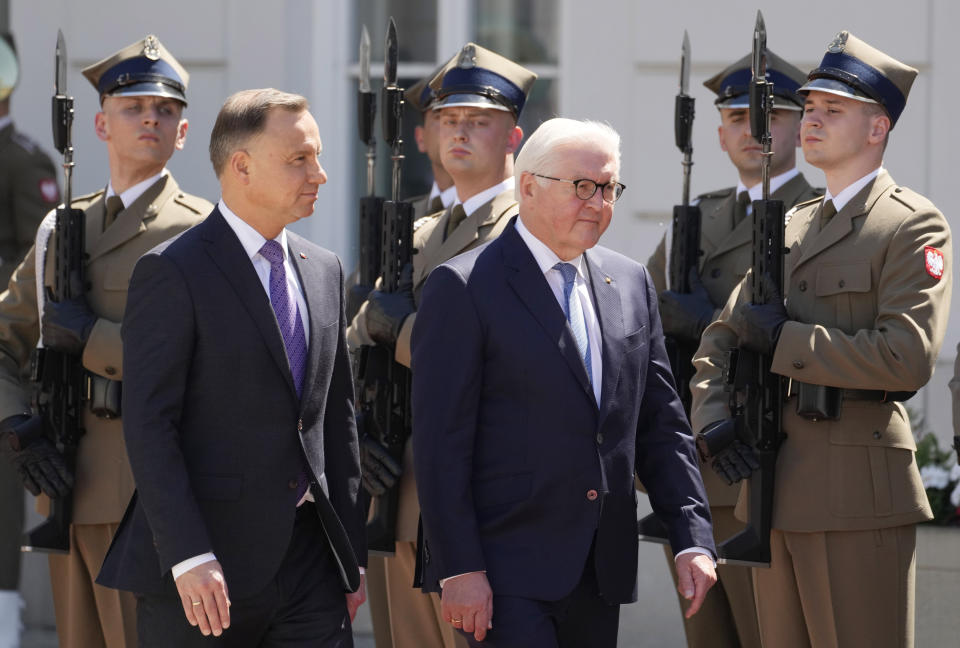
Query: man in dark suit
(238, 409)
(540, 387)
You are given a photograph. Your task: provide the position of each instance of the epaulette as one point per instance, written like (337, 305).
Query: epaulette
(193, 203)
(907, 197)
(719, 193)
(25, 142)
(423, 220)
(805, 203)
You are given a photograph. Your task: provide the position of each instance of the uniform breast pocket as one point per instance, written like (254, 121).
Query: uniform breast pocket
(635, 340)
(847, 286)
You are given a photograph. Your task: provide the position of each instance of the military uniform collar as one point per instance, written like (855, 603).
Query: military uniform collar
(130, 195)
(474, 202)
(843, 197)
(756, 191)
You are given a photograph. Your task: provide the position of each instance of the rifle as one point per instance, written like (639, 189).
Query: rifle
(684, 254)
(371, 206)
(385, 392)
(757, 395)
(58, 376)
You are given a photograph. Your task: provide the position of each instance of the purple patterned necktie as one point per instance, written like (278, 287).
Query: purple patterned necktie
(287, 312)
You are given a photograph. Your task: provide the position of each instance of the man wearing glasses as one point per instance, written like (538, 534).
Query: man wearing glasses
(540, 387)
(478, 97)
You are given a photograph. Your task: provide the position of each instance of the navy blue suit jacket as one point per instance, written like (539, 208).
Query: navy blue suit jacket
(214, 429)
(518, 469)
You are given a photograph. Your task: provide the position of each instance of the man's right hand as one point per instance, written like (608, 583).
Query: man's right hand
(203, 593)
(466, 602)
(40, 466)
(379, 471)
(686, 315)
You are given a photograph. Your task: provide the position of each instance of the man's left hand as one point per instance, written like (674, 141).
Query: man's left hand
(66, 325)
(466, 602)
(695, 575)
(356, 599)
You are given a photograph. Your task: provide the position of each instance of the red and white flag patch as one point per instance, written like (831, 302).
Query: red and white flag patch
(49, 191)
(934, 260)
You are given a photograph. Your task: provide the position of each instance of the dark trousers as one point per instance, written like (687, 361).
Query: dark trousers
(304, 605)
(579, 620)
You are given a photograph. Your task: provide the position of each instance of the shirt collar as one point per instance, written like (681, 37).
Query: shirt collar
(475, 201)
(756, 191)
(5, 121)
(543, 255)
(130, 195)
(250, 239)
(448, 196)
(842, 198)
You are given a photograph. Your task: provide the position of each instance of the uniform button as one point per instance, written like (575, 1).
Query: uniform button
(715, 273)
(599, 437)
(292, 484)
(876, 434)
(591, 494)
(802, 286)
(841, 283)
(798, 364)
(110, 371)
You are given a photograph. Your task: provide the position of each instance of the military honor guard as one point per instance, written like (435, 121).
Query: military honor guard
(477, 98)
(728, 617)
(142, 91)
(28, 190)
(442, 192)
(867, 282)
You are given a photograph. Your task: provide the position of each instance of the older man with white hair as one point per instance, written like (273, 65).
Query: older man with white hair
(540, 388)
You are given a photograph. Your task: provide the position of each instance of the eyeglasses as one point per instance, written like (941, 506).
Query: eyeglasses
(610, 191)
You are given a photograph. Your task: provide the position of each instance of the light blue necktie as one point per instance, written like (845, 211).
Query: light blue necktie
(574, 312)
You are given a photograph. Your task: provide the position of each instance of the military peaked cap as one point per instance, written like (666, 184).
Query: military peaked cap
(144, 68)
(484, 79)
(732, 85)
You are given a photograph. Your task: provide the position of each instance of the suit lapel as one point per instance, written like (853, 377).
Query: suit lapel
(131, 221)
(228, 254)
(534, 292)
(310, 276)
(842, 223)
(606, 297)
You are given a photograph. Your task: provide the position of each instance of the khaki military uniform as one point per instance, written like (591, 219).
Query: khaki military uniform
(415, 617)
(867, 314)
(728, 615)
(28, 190)
(88, 614)
(955, 391)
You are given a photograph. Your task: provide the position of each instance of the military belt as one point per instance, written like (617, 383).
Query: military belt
(877, 395)
(102, 394)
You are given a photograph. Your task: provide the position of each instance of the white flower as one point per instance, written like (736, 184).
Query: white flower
(955, 472)
(934, 476)
(955, 496)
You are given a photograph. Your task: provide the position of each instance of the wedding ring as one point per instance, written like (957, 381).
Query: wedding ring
(197, 602)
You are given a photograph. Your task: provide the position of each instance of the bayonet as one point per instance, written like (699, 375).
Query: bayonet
(391, 55)
(761, 101)
(685, 65)
(364, 60)
(61, 65)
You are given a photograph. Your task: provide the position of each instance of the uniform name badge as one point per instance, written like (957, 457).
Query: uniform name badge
(934, 261)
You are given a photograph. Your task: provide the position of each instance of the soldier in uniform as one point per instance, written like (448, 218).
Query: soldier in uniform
(479, 97)
(867, 282)
(28, 190)
(142, 96)
(728, 616)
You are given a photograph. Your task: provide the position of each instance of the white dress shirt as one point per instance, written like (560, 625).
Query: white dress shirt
(756, 191)
(447, 197)
(475, 201)
(843, 197)
(130, 195)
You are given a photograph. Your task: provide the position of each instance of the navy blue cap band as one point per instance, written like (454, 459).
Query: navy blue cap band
(738, 83)
(139, 70)
(860, 76)
(477, 80)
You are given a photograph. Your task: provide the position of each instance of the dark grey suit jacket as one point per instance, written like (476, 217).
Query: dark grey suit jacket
(215, 432)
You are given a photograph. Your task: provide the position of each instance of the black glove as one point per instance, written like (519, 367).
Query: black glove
(729, 457)
(39, 464)
(386, 311)
(685, 315)
(760, 324)
(67, 324)
(379, 471)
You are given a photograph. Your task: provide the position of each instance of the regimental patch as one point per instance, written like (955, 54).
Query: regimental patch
(934, 261)
(49, 191)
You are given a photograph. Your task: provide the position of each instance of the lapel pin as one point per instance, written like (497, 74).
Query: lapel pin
(303, 256)
(608, 279)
